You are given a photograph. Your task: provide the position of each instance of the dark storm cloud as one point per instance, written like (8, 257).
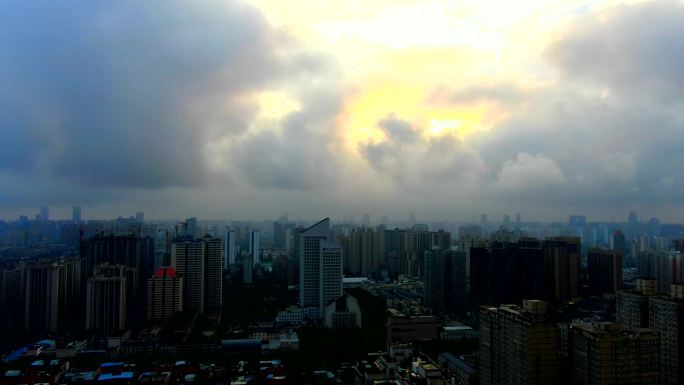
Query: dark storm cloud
(637, 49)
(103, 92)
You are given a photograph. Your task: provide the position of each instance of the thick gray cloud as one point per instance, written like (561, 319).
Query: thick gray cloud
(296, 156)
(637, 49)
(605, 137)
(103, 92)
(151, 105)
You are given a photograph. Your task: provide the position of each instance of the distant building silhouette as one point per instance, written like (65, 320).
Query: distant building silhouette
(604, 268)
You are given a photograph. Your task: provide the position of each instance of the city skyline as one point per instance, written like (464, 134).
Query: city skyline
(507, 218)
(237, 109)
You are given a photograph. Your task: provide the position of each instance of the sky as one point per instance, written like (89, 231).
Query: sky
(248, 109)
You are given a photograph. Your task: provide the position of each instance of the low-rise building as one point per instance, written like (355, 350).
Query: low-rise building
(343, 313)
(457, 333)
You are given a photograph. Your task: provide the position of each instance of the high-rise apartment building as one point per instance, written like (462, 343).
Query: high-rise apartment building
(518, 345)
(106, 304)
(506, 272)
(11, 291)
(164, 294)
(605, 353)
(632, 305)
(254, 247)
(200, 262)
(666, 267)
(362, 255)
(395, 250)
(136, 254)
(52, 296)
(604, 268)
(330, 274)
(188, 259)
(456, 285)
(562, 267)
(320, 264)
(434, 279)
(229, 249)
(43, 304)
(666, 315)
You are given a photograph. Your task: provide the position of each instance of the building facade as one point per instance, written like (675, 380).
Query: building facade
(603, 353)
(604, 268)
(164, 294)
(518, 345)
(320, 267)
(666, 315)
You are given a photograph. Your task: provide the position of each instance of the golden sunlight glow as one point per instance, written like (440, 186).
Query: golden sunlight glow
(275, 105)
(395, 54)
(362, 115)
(440, 126)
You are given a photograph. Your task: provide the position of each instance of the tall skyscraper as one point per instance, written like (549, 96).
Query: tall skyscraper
(76, 214)
(604, 268)
(518, 345)
(140, 216)
(229, 249)
(106, 304)
(200, 262)
(44, 213)
(164, 294)
(254, 247)
(320, 264)
(666, 315)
